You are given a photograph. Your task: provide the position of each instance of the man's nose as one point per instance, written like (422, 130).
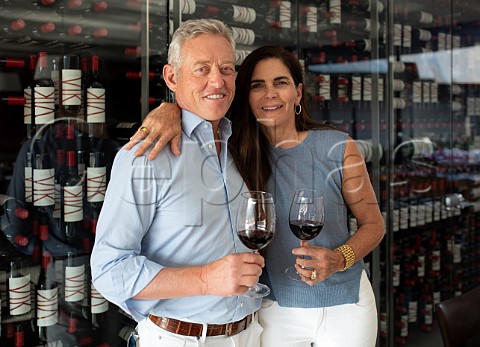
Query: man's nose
(216, 78)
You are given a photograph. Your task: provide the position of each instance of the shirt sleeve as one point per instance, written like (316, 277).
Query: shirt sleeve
(119, 270)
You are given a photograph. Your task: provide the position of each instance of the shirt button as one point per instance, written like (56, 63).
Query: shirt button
(210, 146)
(241, 304)
(206, 126)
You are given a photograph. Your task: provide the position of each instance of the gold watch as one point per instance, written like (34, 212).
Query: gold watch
(348, 254)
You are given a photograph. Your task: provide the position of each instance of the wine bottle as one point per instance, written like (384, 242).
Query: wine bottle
(244, 36)
(43, 181)
(60, 173)
(55, 77)
(12, 63)
(280, 15)
(82, 166)
(360, 46)
(124, 130)
(335, 9)
(324, 90)
(426, 309)
(136, 75)
(19, 288)
(47, 297)
(98, 308)
(69, 142)
(13, 100)
(96, 187)
(72, 197)
(43, 226)
(44, 92)
(28, 95)
(96, 180)
(11, 30)
(28, 179)
(85, 76)
(19, 335)
(71, 85)
(360, 6)
(95, 102)
(418, 17)
(401, 320)
(232, 14)
(12, 209)
(308, 22)
(74, 278)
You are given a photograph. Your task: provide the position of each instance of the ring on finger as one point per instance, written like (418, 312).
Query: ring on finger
(313, 276)
(143, 129)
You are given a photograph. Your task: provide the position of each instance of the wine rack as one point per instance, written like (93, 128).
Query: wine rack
(399, 77)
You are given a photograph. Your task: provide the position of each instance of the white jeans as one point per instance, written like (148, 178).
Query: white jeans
(154, 336)
(352, 325)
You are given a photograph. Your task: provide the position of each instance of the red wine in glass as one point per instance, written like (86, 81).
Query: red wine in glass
(306, 229)
(255, 227)
(255, 239)
(306, 220)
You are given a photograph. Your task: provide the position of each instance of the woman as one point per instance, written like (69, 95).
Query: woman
(277, 147)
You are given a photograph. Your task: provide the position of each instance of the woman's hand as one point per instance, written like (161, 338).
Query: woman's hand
(162, 124)
(324, 261)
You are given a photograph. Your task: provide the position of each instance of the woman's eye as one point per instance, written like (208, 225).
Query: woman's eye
(281, 83)
(256, 85)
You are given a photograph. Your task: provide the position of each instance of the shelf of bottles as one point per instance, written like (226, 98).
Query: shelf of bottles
(343, 45)
(70, 88)
(434, 211)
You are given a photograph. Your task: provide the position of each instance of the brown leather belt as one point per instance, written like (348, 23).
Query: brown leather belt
(195, 329)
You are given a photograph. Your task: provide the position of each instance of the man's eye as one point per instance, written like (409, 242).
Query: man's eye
(202, 70)
(228, 70)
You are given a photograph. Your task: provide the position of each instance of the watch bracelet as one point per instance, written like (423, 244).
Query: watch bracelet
(348, 255)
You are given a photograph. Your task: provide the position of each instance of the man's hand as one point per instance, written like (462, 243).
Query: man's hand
(232, 274)
(162, 124)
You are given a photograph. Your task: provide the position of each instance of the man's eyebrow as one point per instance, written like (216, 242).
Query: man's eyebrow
(208, 62)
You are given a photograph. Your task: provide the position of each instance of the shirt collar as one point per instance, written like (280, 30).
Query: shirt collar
(190, 121)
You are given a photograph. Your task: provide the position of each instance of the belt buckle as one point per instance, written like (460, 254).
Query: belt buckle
(228, 329)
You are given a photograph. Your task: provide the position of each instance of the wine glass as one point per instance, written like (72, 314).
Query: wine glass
(306, 219)
(255, 227)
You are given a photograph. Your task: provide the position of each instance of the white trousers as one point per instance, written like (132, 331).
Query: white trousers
(151, 335)
(352, 325)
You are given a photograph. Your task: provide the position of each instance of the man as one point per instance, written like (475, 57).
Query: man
(166, 250)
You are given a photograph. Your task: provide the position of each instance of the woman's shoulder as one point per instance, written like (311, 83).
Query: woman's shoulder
(329, 136)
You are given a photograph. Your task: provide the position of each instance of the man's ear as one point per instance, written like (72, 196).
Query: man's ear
(169, 77)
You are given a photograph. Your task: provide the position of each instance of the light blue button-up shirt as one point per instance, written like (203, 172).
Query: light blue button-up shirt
(170, 212)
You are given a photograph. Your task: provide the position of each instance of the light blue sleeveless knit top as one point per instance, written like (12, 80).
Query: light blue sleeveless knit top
(316, 163)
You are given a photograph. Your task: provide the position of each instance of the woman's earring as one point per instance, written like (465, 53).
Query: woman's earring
(298, 109)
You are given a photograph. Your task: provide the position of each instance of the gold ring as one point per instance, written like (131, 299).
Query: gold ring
(144, 129)
(313, 276)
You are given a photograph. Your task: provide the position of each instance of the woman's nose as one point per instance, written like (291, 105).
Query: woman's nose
(270, 91)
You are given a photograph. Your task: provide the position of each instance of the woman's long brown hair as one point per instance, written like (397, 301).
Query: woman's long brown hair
(249, 145)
